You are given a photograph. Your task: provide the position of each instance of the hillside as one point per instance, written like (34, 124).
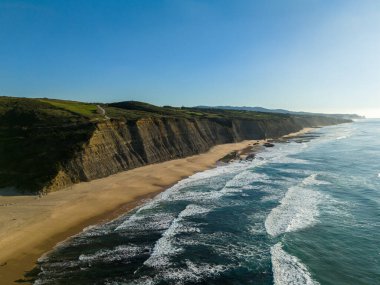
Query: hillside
(46, 144)
(282, 111)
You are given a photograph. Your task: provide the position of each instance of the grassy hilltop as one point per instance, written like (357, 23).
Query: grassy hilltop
(35, 136)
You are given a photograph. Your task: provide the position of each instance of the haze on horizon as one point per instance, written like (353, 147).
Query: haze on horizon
(318, 56)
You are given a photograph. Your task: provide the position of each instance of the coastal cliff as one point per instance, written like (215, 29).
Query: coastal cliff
(57, 146)
(118, 146)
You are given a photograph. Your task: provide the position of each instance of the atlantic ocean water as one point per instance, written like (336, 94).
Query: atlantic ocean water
(303, 212)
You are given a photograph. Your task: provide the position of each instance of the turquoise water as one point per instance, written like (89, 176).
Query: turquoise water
(303, 212)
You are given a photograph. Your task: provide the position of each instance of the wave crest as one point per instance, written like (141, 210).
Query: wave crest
(297, 210)
(288, 269)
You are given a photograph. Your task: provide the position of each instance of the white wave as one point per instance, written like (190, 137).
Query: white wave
(174, 193)
(283, 154)
(256, 225)
(155, 221)
(123, 252)
(165, 247)
(341, 138)
(213, 178)
(243, 181)
(289, 160)
(190, 272)
(245, 178)
(312, 180)
(344, 133)
(239, 252)
(59, 265)
(297, 210)
(142, 281)
(269, 198)
(378, 175)
(198, 179)
(295, 171)
(288, 269)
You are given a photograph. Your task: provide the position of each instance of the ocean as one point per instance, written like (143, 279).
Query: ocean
(306, 211)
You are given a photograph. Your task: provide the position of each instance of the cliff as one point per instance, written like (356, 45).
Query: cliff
(118, 146)
(52, 150)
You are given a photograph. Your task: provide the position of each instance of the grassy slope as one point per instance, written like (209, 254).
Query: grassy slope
(130, 109)
(84, 109)
(37, 135)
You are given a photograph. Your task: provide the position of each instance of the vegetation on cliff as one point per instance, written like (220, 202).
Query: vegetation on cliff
(47, 144)
(35, 138)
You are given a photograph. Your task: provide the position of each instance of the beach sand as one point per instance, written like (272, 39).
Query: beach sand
(299, 133)
(31, 226)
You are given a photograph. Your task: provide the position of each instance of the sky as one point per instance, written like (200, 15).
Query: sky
(309, 55)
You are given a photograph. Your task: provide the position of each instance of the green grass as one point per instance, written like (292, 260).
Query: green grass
(35, 139)
(135, 110)
(33, 112)
(84, 109)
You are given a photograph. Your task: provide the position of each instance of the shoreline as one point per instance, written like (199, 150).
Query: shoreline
(32, 226)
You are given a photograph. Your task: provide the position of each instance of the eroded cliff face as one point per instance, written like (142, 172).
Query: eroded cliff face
(118, 146)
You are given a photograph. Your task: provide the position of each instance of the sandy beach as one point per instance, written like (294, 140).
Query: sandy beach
(299, 133)
(31, 226)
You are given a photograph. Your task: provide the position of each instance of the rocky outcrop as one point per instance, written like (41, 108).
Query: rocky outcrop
(121, 145)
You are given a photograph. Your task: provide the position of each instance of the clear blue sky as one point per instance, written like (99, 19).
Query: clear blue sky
(313, 55)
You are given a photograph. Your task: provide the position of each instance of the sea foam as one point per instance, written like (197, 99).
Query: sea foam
(297, 210)
(191, 272)
(165, 247)
(119, 253)
(288, 269)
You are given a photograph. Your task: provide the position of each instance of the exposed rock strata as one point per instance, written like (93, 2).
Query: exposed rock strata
(117, 146)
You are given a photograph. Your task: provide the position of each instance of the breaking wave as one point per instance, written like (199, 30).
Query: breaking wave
(297, 210)
(288, 269)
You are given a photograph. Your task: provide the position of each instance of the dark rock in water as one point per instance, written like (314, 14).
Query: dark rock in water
(250, 156)
(268, 144)
(229, 157)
